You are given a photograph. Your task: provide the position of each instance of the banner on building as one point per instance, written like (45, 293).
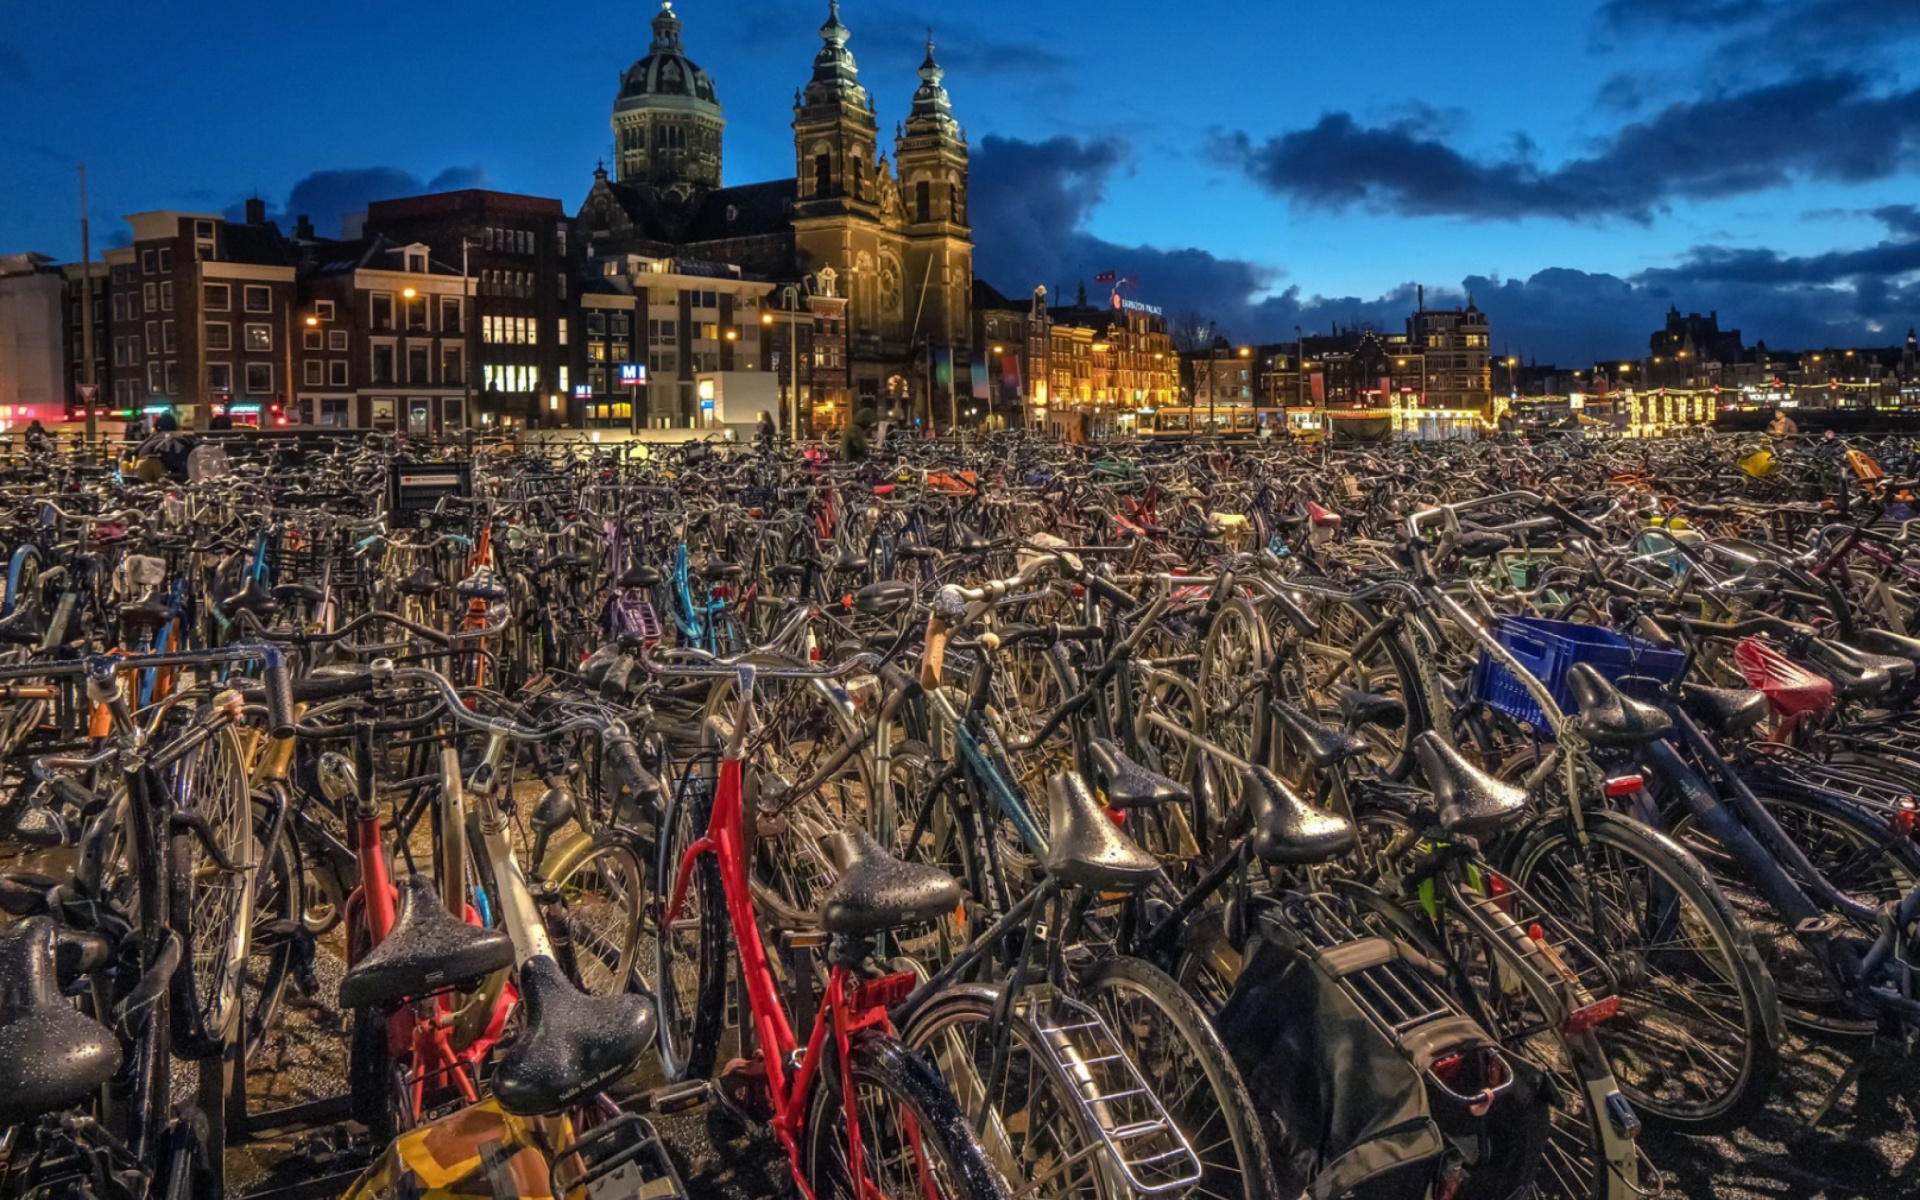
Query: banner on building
(1319, 386)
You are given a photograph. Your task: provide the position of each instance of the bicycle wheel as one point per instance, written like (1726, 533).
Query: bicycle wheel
(914, 1141)
(211, 909)
(690, 956)
(1183, 1060)
(1696, 1043)
(1030, 1128)
(1856, 851)
(604, 891)
(279, 899)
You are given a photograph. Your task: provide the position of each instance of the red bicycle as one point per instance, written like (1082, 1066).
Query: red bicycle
(858, 1113)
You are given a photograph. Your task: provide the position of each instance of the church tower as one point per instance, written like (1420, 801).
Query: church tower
(667, 125)
(847, 213)
(931, 155)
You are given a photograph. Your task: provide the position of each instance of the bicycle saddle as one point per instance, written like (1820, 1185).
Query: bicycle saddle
(916, 550)
(23, 627)
(1872, 674)
(51, 1055)
(419, 582)
(1286, 829)
(851, 563)
(968, 541)
(1724, 710)
(483, 584)
(715, 568)
(1482, 543)
(574, 1044)
(1471, 803)
(1607, 716)
(1323, 747)
(428, 951)
(639, 577)
(1084, 847)
(877, 891)
(253, 598)
(1130, 785)
(1369, 708)
(881, 597)
(298, 593)
(148, 611)
(1889, 645)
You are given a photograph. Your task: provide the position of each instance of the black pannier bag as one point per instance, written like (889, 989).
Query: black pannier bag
(1366, 1075)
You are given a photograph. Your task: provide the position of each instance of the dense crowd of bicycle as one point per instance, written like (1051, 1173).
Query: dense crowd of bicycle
(979, 820)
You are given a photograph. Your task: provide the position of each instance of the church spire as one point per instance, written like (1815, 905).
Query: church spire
(835, 77)
(932, 109)
(666, 29)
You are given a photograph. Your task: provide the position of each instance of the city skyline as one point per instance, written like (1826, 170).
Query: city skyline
(1579, 171)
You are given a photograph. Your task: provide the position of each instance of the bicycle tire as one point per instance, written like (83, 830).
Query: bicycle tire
(279, 902)
(1706, 915)
(1243, 1168)
(1806, 998)
(211, 911)
(690, 960)
(605, 893)
(1032, 1132)
(887, 1067)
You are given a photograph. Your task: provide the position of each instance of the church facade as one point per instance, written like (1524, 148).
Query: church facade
(888, 236)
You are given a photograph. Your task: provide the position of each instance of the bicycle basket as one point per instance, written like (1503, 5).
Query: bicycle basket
(1548, 650)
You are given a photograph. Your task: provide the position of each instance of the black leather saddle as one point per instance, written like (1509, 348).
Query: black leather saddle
(1084, 847)
(639, 576)
(51, 1055)
(419, 582)
(1128, 784)
(1287, 831)
(1369, 708)
(1323, 747)
(1608, 717)
(715, 568)
(253, 598)
(1471, 802)
(878, 892)
(967, 540)
(574, 1044)
(850, 564)
(483, 584)
(23, 627)
(1482, 543)
(1724, 710)
(886, 596)
(148, 612)
(915, 550)
(429, 950)
(298, 593)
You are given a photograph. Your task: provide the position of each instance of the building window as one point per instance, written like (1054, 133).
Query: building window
(823, 174)
(417, 313)
(172, 375)
(383, 364)
(153, 378)
(383, 311)
(333, 411)
(220, 377)
(219, 335)
(119, 307)
(323, 309)
(259, 337)
(258, 298)
(203, 230)
(417, 263)
(146, 262)
(336, 339)
(316, 372)
(151, 293)
(218, 297)
(259, 378)
(166, 259)
(563, 377)
(417, 369)
(560, 281)
(311, 339)
(166, 296)
(452, 362)
(337, 372)
(166, 337)
(923, 201)
(560, 240)
(449, 315)
(563, 331)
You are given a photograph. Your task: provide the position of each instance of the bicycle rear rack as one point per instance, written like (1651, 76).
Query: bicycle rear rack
(1395, 994)
(622, 1159)
(1136, 1131)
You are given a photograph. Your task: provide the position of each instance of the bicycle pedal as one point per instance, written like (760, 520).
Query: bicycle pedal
(743, 1090)
(674, 1098)
(1818, 926)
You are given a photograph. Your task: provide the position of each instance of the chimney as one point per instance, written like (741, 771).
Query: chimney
(303, 228)
(256, 211)
(1421, 289)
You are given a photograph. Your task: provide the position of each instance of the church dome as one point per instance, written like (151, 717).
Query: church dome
(666, 73)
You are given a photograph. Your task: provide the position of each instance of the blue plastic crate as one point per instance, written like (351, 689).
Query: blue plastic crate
(1548, 649)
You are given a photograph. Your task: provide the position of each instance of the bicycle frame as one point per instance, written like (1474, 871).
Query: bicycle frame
(841, 1014)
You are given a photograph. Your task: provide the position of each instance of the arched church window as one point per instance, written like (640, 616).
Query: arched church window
(823, 175)
(923, 201)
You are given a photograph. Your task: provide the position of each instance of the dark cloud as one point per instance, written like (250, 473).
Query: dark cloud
(1635, 14)
(327, 197)
(1832, 127)
(1623, 93)
(964, 47)
(1033, 200)
(1772, 35)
